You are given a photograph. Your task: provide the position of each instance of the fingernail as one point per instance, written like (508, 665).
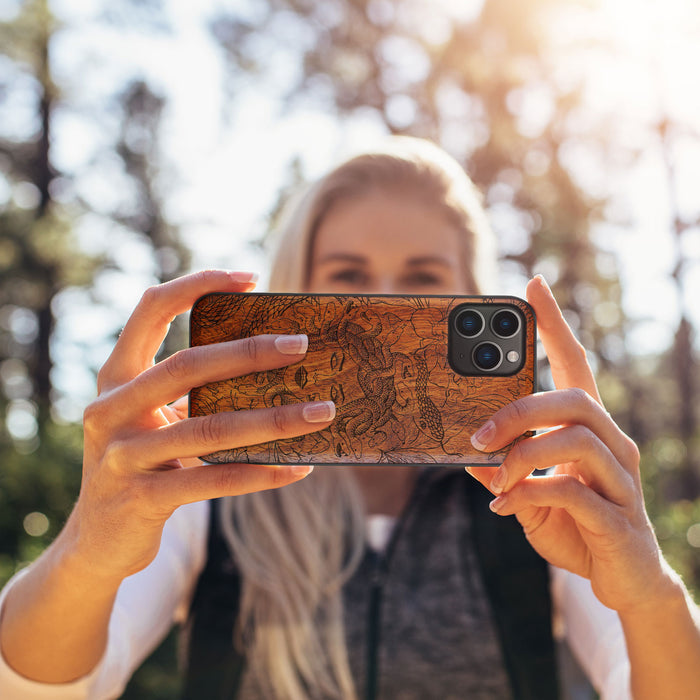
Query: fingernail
(543, 282)
(497, 504)
(302, 470)
(243, 276)
(484, 435)
(292, 344)
(499, 480)
(319, 412)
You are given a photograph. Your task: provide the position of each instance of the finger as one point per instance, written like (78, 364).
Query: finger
(567, 357)
(556, 408)
(203, 435)
(180, 407)
(584, 505)
(484, 475)
(193, 367)
(175, 488)
(582, 451)
(148, 324)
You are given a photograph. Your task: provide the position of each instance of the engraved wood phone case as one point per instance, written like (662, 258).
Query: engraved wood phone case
(383, 360)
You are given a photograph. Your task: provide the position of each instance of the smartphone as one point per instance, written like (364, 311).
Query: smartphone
(412, 377)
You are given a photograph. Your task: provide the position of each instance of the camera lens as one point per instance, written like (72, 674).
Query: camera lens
(487, 356)
(505, 323)
(469, 323)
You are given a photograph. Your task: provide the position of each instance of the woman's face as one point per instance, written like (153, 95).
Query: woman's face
(386, 244)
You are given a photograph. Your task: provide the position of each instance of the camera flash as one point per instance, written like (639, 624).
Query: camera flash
(513, 356)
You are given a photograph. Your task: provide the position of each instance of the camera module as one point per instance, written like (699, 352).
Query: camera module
(469, 323)
(487, 336)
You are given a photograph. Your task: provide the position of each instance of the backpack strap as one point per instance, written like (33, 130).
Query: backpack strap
(214, 667)
(516, 579)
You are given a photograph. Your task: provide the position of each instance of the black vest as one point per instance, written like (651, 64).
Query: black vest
(515, 578)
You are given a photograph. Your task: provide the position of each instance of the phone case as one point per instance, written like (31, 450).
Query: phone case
(383, 360)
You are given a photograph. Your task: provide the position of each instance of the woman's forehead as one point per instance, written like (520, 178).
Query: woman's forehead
(374, 225)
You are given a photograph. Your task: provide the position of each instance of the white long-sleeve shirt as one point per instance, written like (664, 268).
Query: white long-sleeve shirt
(149, 602)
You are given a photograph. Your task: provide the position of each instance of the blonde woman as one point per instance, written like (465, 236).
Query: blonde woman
(364, 582)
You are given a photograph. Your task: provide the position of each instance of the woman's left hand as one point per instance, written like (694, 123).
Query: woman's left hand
(587, 514)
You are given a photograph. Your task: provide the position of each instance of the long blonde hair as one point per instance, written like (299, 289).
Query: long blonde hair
(296, 546)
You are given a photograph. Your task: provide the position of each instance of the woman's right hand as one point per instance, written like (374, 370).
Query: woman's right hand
(139, 454)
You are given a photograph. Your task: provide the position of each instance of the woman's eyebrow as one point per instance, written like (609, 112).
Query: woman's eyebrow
(361, 259)
(343, 257)
(430, 260)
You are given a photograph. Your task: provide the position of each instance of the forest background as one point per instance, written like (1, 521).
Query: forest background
(141, 139)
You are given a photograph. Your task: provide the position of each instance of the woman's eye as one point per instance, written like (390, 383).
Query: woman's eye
(424, 279)
(350, 276)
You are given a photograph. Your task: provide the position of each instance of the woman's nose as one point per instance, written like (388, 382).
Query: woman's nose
(386, 284)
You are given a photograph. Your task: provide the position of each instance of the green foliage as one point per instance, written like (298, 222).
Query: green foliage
(678, 530)
(676, 518)
(38, 476)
